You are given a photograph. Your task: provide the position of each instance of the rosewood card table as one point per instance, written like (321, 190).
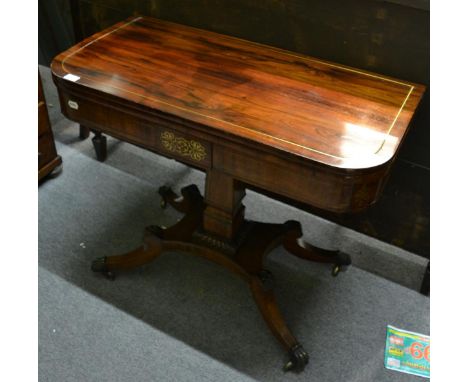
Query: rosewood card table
(249, 115)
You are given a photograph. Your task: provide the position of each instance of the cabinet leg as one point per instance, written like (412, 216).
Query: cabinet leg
(84, 132)
(100, 146)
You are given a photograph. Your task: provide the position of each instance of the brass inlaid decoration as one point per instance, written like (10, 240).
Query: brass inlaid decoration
(182, 146)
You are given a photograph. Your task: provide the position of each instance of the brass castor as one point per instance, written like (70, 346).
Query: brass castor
(99, 266)
(342, 263)
(298, 359)
(336, 270)
(164, 191)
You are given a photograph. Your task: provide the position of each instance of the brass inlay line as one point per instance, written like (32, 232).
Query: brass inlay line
(93, 41)
(393, 123)
(182, 146)
(240, 126)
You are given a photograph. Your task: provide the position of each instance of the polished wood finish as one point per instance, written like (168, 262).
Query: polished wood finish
(248, 115)
(329, 113)
(49, 162)
(225, 212)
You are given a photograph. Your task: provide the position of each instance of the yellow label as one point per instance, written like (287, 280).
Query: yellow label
(395, 351)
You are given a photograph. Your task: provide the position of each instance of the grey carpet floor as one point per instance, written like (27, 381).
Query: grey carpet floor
(182, 318)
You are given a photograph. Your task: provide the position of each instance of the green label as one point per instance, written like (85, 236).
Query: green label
(407, 352)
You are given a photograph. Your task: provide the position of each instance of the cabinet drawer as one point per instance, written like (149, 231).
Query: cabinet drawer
(46, 149)
(43, 118)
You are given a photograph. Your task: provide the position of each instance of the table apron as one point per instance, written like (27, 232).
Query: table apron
(307, 183)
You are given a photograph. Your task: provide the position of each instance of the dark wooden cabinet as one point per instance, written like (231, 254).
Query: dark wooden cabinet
(49, 162)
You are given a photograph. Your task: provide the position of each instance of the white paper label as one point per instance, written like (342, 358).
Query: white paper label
(71, 77)
(73, 105)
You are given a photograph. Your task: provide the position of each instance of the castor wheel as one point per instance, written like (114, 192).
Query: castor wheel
(336, 270)
(298, 359)
(342, 262)
(99, 266)
(165, 192)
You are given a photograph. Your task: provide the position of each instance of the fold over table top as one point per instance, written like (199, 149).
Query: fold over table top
(336, 115)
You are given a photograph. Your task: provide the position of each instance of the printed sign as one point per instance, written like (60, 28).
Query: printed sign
(73, 104)
(71, 77)
(407, 352)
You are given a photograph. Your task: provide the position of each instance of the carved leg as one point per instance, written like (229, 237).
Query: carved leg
(293, 243)
(154, 238)
(144, 254)
(192, 204)
(266, 302)
(180, 204)
(100, 145)
(84, 132)
(262, 239)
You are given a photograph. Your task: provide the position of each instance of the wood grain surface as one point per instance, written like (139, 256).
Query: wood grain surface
(335, 115)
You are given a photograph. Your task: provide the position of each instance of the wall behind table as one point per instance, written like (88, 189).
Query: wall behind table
(387, 37)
